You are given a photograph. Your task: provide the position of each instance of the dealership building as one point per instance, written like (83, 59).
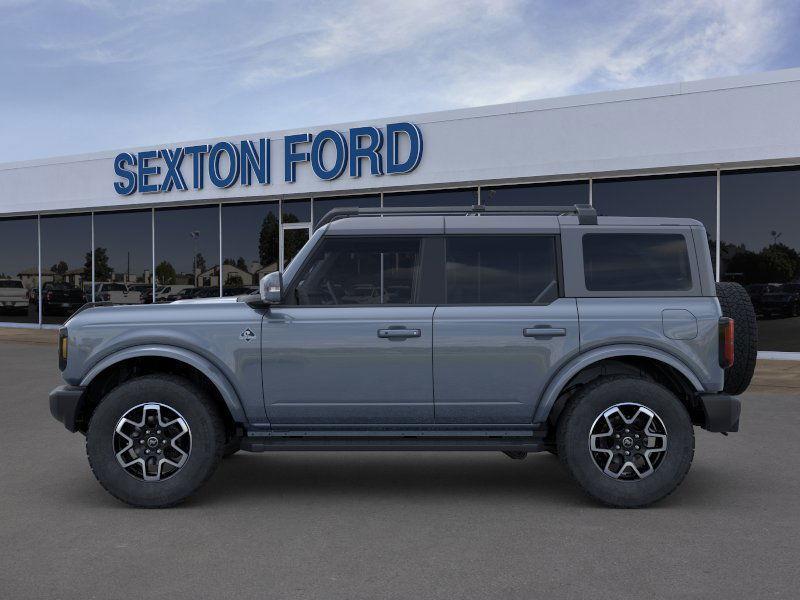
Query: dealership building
(217, 214)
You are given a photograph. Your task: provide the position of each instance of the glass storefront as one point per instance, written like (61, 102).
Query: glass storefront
(760, 248)
(759, 242)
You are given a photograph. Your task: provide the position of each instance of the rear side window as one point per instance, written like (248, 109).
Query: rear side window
(637, 262)
(501, 269)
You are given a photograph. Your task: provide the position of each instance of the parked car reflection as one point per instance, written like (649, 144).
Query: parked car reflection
(59, 298)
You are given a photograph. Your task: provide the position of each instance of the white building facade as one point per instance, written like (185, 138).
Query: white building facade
(723, 151)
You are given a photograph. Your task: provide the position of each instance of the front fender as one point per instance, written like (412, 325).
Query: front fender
(577, 364)
(207, 368)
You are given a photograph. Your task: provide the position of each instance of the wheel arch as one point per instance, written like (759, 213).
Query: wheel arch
(118, 367)
(634, 355)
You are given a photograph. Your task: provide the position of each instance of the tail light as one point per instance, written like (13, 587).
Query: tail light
(726, 342)
(106, 297)
(49, 296)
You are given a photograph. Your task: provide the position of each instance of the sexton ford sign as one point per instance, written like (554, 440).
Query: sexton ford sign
(225, 164)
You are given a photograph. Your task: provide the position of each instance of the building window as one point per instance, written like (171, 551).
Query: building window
(562, 193)
(760, 248)
(692, 196)
(323, 205)
(66, 265)
(466, 197)
(123, 256)
(250, 239)
(187, 250)
(19, 270)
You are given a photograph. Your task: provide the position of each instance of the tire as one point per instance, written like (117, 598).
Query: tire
(584, 415)
(736, 304)
(197, 453)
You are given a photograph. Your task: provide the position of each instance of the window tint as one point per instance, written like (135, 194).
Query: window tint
(636, 262)
(361, 271)
(501, 270)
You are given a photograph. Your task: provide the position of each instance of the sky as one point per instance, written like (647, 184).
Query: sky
(82, 76)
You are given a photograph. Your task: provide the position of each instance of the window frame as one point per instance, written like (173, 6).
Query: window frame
(422, 293)
(556, 239)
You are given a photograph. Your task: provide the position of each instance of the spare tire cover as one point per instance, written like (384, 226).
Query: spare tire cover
(736, 304)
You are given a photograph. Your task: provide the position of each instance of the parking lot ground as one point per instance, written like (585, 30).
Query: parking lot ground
(394, 525)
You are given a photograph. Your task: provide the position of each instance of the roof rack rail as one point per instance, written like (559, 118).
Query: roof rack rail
(586, 213)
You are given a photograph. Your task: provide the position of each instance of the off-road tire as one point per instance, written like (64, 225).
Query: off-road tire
(207, 440)
(736, 304)
(573, 439)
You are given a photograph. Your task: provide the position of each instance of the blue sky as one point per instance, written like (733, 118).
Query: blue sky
(85, 75)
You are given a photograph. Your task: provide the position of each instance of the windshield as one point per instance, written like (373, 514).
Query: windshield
(10, 283)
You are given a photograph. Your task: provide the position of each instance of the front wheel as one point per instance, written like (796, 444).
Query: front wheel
(154, 440)
(628, 442)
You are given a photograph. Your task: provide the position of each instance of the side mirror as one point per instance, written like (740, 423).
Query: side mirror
(271, 288)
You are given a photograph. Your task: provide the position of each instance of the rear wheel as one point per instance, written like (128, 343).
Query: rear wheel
(628, 442)
(735, 303)
(154, 440)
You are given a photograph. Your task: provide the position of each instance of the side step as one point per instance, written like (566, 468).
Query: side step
(424, 443)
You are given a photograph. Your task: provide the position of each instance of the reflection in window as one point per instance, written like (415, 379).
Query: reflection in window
(187, 248)
(760, 248)
(692, 196)
(466, 197)
(361, 271)
(296, 211)
(323, 205)
(123, 262)
(19, 270)
(501, 270)
(566, 193)
(66, 265)
(250, 240)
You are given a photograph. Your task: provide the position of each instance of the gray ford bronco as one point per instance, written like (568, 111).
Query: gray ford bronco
(601, 340)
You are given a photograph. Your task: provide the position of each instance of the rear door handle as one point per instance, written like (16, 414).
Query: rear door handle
(543, 332)
(399, 333)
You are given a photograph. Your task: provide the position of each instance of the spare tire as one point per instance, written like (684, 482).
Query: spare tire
(736, 304)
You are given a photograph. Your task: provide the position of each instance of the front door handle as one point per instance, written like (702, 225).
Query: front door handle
(399, 333)
(544, 332)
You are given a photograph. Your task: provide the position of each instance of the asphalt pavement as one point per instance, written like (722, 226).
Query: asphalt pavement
(393, 525)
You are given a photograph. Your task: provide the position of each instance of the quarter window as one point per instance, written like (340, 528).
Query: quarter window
(348, 271)
(638, 262)
(501, 270)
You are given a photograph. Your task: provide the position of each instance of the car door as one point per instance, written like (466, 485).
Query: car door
(502, 329)
(352, 342)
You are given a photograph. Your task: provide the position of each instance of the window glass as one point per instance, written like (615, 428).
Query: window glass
(323, 205)
(501, 270)
(760, 248)
(123, 253)
(66, 265)
(296, 211)
(187, 247)
(566, 193)
(616, 262)
(436, 198)
(249, 245)
(361, 271)
(692, 196)
(19, 270)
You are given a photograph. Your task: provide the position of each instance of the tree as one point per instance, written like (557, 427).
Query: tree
(241, 263)
(200, 262)
(60, 268)
(268, 241)
(165, 273)
(102, 270)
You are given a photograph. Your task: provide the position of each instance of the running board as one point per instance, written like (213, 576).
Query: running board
(424, 443)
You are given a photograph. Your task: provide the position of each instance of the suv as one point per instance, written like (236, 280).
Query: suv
(603, 341)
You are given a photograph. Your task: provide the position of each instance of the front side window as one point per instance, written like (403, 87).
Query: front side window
(513, 269)
(355, 271)
(636, 262)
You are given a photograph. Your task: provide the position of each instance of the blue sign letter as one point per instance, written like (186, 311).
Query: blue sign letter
(372, 151)
(173, 176)
(213, 164)
(197, 152)
(393, 131)
(290, 157)
(145, 171)
(253, 161)
(125, 189)
(317, 149)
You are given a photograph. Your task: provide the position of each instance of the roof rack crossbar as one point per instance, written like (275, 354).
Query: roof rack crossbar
(586, 213)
